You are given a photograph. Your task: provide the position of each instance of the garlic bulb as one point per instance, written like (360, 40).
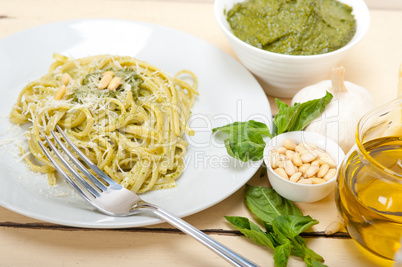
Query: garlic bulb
(339, 120)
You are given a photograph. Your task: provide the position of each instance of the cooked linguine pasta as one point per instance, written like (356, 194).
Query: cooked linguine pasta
(128, 116)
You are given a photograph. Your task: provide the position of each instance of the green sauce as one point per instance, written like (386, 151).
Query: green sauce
(293, 27)
(90, 85)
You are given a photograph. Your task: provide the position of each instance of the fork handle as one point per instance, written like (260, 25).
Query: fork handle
(228, 254)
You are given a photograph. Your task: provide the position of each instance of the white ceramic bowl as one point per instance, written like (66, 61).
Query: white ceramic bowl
(303, 192)
(284, 75)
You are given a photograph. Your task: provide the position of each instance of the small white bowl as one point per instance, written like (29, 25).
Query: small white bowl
(303, 192)
(284, 75)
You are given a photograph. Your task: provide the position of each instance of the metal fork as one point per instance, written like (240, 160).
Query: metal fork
(113, 199)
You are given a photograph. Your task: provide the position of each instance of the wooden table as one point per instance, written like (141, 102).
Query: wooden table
(373, 64)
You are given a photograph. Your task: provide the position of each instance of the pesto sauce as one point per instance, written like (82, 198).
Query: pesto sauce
(90, 81)
(293, 27)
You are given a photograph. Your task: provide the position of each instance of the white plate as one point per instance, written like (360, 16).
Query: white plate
(228, 92)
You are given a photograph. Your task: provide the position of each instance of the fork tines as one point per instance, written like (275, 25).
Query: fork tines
(96, 187)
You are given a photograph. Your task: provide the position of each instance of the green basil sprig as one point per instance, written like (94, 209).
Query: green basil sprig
(283, 223)
(245, 141)
(298, 116)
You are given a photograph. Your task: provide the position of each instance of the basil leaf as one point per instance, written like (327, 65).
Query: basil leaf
(245, 140)
(241, 127)
(267, 204)
(279, 238)
(291, 226)
(296, 117)
(249, 146)
(252, 231)
(268, 227)
(300, 249)
(282, 254)
(283, 222)
(316, 263)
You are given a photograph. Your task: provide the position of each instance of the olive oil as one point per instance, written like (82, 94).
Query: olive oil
(369, 197)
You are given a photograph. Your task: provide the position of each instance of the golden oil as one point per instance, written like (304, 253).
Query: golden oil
(369, 197)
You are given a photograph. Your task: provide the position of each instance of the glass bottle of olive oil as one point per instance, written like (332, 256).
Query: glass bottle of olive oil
(369, 197)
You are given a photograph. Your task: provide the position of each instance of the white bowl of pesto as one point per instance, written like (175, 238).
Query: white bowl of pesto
(287, 52)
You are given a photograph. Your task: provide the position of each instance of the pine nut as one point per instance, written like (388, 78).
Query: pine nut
(333, 228)
(310, 146)
(296, 169)
(289, 154)
(274, 158)
(108, 72)
(60, 92)
(289, 168)
(330, 174)
(289, 144)
(105, 81)
(326, 159)
(281, 172)
(66, 79)
(304, 181)
(114, 84)
(295, 177)
(319, 152)
(323, 170)
(281, 150)
(303, 168)
(297, 160)
(299, 148)
(281, 160)
(316, 180)
(310, 150)
(312, 170)
(316, 163)
(308, 157)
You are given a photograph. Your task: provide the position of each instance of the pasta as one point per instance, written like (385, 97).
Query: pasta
(128, 116)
